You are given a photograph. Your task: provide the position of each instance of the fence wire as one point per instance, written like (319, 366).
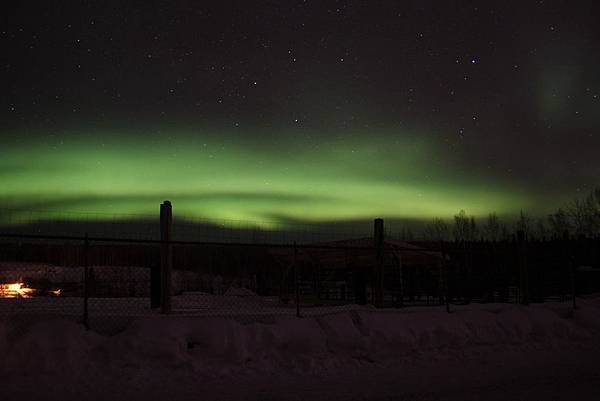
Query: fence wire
(106, 283)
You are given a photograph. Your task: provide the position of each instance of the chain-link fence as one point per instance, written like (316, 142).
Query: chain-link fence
(103, 284)
(106, 283)
(39, 281)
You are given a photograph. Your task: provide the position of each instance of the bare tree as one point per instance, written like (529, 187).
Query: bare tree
(491, 229)
(436, 230)
(584, 214)
(406, 234)
(504, 232)
(524, 224)
(595, 200)
(473, 229)
(541, 230)
(559, 223)
(465, 228)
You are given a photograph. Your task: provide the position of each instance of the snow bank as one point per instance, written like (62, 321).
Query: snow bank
(46, 347)
(239, 292)
(219, 346)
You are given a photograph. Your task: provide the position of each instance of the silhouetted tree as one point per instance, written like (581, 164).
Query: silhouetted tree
(541, 231)
(584, 214)
(465, 228)
(559, 223)
(524, 224)
(491, 229)
(504, 232)
(436, 230)
(473, 229)
(406, 234)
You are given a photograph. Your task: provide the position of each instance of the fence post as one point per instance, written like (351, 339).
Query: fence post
(573, 265)
(401, 268)
(378, 239)
(444, 276)
(86, 282)
(573, 285)
(296, 283)
(524, 274)
(566, 264)
(166, 257)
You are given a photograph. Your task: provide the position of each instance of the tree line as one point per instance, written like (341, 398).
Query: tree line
(578, 217)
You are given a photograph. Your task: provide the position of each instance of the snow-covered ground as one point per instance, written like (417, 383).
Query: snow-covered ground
(491, 352)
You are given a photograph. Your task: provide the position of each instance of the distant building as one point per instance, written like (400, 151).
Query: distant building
(346, 271)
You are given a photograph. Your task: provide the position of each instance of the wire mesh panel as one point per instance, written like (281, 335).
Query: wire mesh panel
(106, 283)
(244, 281)
(118, 283)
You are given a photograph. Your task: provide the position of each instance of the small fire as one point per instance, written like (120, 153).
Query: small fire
(15, 290)
(21, 290)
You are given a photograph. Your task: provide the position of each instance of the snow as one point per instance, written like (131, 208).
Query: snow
(487, 351)
(239, 292)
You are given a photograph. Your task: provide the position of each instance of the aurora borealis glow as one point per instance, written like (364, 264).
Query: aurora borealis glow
(307, 113)
(210, 178)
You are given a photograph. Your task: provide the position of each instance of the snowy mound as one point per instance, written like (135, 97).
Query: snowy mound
(239, 292)
(344, 336)
(184, 351)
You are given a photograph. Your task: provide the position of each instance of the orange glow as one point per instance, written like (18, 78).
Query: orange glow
(15, 290)
(21, 290)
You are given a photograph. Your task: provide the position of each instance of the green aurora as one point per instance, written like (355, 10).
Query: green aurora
(284, 116)
(273, 183)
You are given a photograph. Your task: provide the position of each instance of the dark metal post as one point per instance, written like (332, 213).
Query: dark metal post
(296, 283)
(166, 256)
(566, 260)
(444, 276)
(86, 281)
(401, 280)
(573, 285)
(573, 265)
(378, 242)
(446, 286)
(524, 273)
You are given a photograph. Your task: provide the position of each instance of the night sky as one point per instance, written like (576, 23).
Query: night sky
(280, 111)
